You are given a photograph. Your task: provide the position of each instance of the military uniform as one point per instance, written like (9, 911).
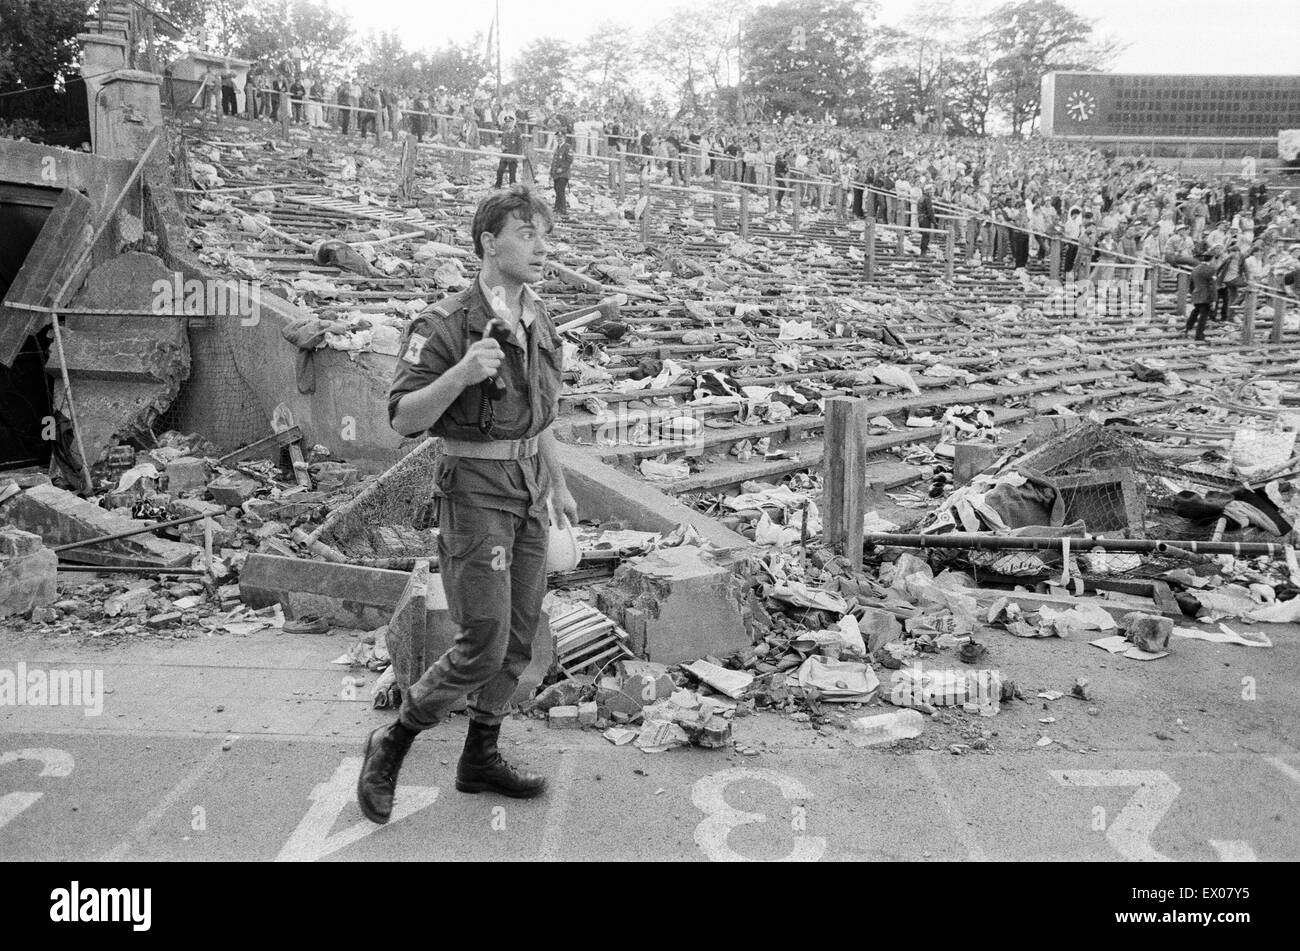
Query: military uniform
(512, 142)
(491, 489)
(561, 165)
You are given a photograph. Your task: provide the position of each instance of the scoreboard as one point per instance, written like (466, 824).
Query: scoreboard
(1135, 104)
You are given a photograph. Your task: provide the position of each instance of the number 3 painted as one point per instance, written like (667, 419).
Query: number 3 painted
(708, 794)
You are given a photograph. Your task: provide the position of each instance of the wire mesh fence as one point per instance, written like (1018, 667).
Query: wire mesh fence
(389, 523)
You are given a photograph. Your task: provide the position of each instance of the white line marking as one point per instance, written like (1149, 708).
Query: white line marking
(925, 764)
(155, 815)
(1286, 769)
(1233, 850)
(553, 824)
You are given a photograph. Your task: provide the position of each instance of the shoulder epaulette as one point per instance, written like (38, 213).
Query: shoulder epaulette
(447, 306)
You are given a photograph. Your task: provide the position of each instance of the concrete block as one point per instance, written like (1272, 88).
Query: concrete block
(611, 699)
(59, 517)
(646, 688)
(1148, 632)
(970, 459)
(587, 713)
(15, 542)
(187, 474)
(420, 630)
(692, 605)
(878, 628)
(28, 572)
(352, 596)
(563, 718)
(232, 491)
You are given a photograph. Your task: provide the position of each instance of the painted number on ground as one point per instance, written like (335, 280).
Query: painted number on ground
(709, 796)
(1130, 831)
(54, 763)
(313, 840)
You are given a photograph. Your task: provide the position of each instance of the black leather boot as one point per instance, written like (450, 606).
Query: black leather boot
(385, 749)
(482, 769)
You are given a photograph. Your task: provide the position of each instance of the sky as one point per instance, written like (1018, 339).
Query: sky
(1163, 36)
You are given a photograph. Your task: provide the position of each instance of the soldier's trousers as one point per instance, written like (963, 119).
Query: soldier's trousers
(493, 567)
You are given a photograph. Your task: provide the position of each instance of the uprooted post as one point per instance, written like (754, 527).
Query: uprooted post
(848, 421)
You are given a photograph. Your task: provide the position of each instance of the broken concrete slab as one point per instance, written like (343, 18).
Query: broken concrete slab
(232, 491)
(678, 604)
(60, 517)
(187, 474)
(354, 596)
(127, 368)
(421, 629)
(604, 493)
(28, 572)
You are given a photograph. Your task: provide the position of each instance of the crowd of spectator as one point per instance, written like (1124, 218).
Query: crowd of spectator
(1006, 199)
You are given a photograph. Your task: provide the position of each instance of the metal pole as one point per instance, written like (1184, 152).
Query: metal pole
(962, 541)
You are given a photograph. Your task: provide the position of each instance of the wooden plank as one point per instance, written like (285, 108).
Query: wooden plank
(848, 422)
(274, 441)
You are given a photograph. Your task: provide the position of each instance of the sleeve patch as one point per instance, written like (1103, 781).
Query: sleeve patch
(414, 348)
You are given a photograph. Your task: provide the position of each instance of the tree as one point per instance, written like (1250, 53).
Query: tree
(301, 35)
(384, 60)
(544, 68)
(604, 62)
(458, 69)
(694, 50)
(38, 41)
(1030, 39)
(808, 55)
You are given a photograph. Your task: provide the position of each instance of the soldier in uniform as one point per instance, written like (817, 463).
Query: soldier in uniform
(511, 143)
(561, 166)
(498, 471)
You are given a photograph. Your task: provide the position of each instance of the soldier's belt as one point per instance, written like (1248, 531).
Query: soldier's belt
(501, 449)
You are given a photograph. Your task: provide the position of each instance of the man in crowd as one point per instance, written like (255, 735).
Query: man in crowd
(1204, 292)
(297, 93)
(346, 102)
(561, 164)
(512, 143)
(498, 475)
(925, 216)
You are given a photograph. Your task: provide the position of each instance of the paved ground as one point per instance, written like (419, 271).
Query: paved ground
(151, 777)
